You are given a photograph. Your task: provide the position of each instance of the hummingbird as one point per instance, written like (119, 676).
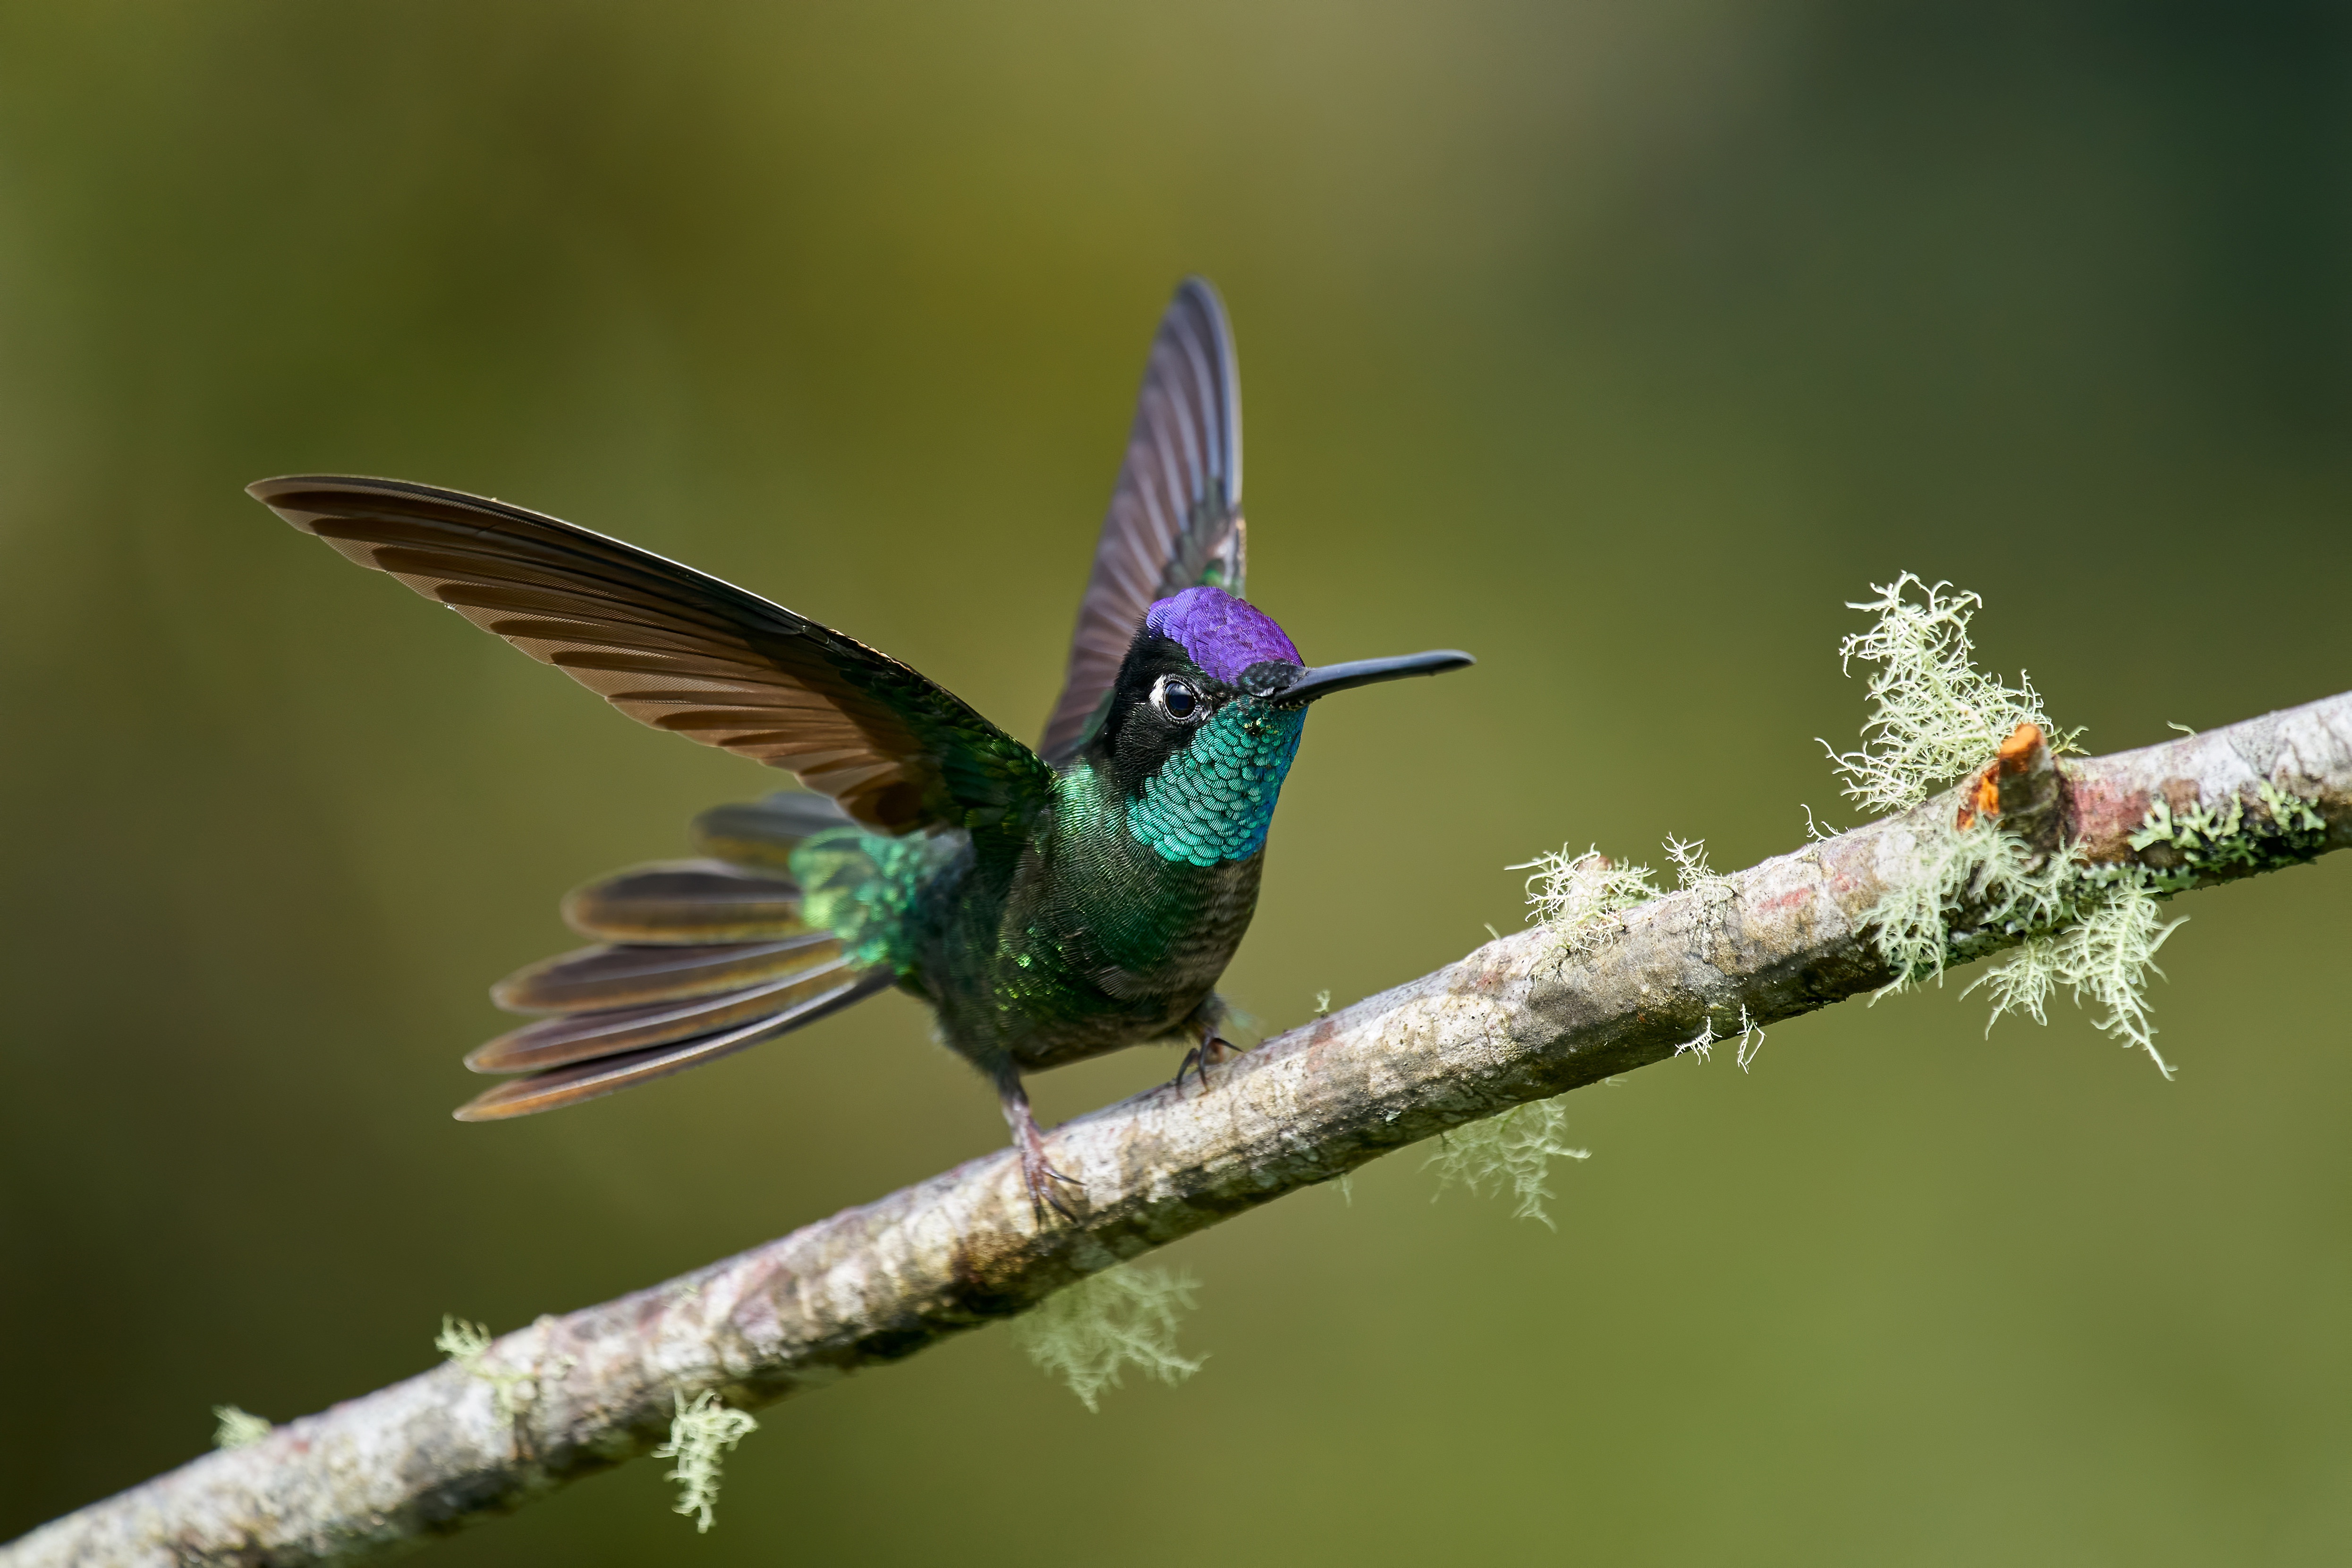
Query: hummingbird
(1050, 905)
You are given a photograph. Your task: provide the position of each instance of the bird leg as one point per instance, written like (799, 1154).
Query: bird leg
(1213, 1050)
(1036, 1172)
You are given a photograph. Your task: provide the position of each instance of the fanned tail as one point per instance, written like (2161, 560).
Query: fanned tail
(697, 959)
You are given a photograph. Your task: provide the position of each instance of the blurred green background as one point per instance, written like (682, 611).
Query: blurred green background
(1619, 343)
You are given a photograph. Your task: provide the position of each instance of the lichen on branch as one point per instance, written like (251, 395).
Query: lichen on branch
(701, 1431)
(1579, 897)
(1086, 1334)
(237, 1428)
(1982, 880)
(1511, 1152)
(2104, 952)
(468, 1345)
(1934, 714)
(1520, 1019)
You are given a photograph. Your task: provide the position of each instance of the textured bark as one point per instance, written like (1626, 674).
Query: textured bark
(1518, 1019)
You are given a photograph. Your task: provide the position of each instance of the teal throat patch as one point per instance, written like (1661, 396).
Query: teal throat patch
(1215, 799)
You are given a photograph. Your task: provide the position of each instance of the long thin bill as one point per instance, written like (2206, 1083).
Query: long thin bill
(1322, 680)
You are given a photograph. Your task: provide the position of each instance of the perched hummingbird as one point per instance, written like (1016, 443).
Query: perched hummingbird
(1050, 905)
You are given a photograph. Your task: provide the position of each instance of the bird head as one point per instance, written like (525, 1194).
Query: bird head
(1205, 717)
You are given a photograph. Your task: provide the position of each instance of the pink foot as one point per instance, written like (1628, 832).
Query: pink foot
(1037, 1173)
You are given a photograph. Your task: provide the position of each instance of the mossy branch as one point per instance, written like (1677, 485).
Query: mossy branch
(1524, 1018)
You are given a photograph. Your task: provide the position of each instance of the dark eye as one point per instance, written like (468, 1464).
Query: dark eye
(1177, 699)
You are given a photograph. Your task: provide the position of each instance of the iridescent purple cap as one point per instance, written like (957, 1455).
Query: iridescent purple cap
(1222, 635)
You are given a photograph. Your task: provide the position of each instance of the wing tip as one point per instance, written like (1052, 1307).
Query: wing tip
(267, 492)
(272, 493)
(263, 490)
(1199, 287)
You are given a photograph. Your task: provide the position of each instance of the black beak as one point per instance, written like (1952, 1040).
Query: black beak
(1290, 686)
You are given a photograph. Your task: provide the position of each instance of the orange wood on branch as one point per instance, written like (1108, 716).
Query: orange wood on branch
(2014, 758)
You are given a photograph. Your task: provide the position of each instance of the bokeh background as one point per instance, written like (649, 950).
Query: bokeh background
(1619, 343)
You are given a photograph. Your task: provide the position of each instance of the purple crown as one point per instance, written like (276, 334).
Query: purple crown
(1222, 635)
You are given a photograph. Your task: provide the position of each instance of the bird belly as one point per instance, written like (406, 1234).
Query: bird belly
(1114, 1025)
(1071, 977)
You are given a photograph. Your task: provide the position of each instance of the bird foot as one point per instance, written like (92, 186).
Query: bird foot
(1213, 1051)
(1037, 1173)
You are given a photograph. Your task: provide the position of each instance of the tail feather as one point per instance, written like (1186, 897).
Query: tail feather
(763, 834)
(568, 1038)
(597, 978)
(697, 959)
(563, 1086)
(685, 902)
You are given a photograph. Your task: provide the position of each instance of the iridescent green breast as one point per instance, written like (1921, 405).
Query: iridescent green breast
(1214, 800)
(1104, 941)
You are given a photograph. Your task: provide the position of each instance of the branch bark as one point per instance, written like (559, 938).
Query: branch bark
(1518, 1019)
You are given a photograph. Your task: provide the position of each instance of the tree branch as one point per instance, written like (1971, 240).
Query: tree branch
(1519, 1019)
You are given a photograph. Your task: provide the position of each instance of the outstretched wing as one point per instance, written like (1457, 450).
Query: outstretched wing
(685, 652)
(1175, 517)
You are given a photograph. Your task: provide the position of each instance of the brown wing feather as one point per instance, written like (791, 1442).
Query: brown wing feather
(1175, 520)
(681, 651)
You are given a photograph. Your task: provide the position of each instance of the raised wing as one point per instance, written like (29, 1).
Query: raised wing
(1175, 517)
(685, 652)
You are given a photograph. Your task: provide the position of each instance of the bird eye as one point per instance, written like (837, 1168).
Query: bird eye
(1177, 699)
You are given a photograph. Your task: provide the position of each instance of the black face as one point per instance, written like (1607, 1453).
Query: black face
(1162, 699)
(1158, 706)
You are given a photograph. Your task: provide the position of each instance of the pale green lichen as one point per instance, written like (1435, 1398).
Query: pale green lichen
(1579, 897)
(1086, 1334)
(2092, 931)
(2104, 952)
(2107, 947)
(1511, 1152)
(2286, 831)
(1934, 714)
(1692, 874)
(699, 1432)
(469, 1344)
(238, 1428)
(2008, 888)
(2023, 984)
(463, 1343)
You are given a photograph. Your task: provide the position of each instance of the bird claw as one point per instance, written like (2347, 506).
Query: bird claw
(1213, 1051)
(1038, 1173)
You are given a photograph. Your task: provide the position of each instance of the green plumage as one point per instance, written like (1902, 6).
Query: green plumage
(1050, 905)
(1087, 936)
